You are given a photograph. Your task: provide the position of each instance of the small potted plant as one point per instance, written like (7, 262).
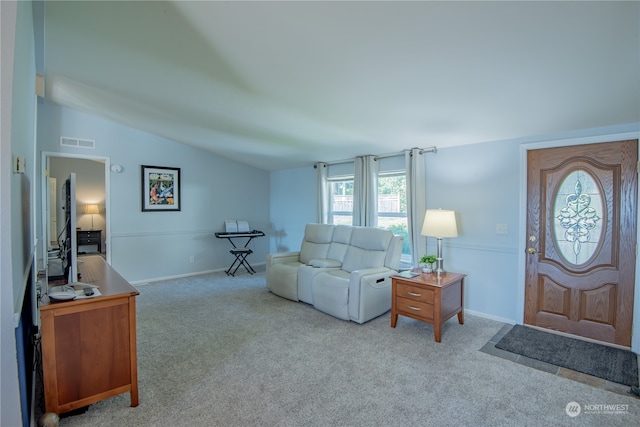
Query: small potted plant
(427, 263)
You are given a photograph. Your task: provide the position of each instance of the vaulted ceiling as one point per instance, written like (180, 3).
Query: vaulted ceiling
(283, 84)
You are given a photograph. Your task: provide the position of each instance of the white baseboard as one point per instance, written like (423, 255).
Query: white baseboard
(180, 276)
(488, 316)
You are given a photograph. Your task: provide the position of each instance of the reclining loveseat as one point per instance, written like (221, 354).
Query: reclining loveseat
(341, 270)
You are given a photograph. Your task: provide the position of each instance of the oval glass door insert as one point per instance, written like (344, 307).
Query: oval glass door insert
(578, 208)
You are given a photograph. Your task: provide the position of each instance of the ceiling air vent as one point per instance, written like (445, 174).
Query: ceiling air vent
(77, 142)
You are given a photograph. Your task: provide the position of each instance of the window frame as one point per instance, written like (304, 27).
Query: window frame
(332, 213)
(405, 257)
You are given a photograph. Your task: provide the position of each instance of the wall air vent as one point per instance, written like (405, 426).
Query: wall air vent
(77, 142)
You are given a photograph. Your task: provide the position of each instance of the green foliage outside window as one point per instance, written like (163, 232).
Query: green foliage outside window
(394, 184)
(401, 230)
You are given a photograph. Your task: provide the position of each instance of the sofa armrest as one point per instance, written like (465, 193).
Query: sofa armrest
(373, 276)
(282, 257)
(369, 293)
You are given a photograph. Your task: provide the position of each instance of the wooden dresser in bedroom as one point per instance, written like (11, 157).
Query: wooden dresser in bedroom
(89, 345)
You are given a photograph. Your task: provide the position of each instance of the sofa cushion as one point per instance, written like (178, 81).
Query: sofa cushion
(392, 259)
(330, 291)
(283, 279)
(368, 248)
(306, 273)
(315, 245)
(340, 242)
(374, 239)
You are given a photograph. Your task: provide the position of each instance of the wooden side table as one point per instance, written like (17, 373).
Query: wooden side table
(428, 297)
(89, 237)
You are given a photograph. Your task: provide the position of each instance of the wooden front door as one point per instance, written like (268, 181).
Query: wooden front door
(581, 240)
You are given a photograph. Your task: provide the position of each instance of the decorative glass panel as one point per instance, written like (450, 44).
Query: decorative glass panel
(578, 213)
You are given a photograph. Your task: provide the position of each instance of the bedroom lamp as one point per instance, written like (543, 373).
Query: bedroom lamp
(439, 223)
(91, 209)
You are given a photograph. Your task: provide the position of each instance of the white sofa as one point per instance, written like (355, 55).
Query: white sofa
(341, 270)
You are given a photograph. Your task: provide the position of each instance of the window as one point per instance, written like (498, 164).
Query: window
(341, 200)
(392, 207)
(578, 210)
(392, 203)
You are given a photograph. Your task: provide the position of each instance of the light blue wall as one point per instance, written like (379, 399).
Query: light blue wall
(17, 119)
(293, 205)
(482, 183)
(154, 245)
(22, 137)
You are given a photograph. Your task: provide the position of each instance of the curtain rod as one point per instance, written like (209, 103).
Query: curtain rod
(433, 149)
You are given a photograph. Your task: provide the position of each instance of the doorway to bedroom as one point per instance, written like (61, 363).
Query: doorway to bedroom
(92, 207)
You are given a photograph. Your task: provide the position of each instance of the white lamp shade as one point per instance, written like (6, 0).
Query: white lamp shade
(440, 223)
(91, 209)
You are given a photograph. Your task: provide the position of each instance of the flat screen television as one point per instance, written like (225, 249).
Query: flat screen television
(69, 246)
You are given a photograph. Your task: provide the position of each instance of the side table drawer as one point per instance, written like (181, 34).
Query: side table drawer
(415, 293)
(89, 238)
(415, 308)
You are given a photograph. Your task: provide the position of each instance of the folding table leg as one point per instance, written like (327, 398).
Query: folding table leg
(229, 273)
(246, 264)
(241, 259)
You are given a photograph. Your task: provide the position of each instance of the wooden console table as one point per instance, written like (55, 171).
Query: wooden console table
(428, 297)
(89, 345)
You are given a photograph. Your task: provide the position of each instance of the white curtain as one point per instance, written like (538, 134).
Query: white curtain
(365, 191)
(416, 201)
(323, 193)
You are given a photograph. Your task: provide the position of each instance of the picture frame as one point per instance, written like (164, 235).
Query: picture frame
(160, 188)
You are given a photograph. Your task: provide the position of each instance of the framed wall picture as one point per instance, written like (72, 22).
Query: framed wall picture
(160, 188)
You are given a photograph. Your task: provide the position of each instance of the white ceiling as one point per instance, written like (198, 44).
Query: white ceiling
(283, 84)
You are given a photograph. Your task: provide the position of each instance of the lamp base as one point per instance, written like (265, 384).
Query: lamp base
(439, 269)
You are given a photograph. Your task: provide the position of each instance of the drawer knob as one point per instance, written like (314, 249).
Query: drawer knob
(413, 294)
(413, 308)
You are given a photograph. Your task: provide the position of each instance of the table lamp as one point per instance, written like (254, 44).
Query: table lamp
(91, 209)
(439, 223)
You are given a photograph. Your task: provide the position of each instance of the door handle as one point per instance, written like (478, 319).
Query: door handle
(532, 251)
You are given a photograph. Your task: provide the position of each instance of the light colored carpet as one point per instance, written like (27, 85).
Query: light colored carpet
(220, 351)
